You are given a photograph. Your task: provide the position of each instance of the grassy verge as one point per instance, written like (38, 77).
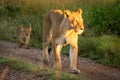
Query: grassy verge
(37, 69)
(104, 49)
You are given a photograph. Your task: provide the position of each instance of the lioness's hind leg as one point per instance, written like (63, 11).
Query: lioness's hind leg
(57, 51)
(46, 41)
(45, 53)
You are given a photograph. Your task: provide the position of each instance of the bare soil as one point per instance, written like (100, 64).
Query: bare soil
(89, 68)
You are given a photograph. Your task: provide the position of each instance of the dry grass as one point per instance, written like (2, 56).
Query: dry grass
(51, 74)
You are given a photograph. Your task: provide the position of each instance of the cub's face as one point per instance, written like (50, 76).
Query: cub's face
(74, 20)
(25, 31)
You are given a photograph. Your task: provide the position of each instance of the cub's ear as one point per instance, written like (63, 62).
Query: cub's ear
(79, 11)
(67, 13)
(20, 28)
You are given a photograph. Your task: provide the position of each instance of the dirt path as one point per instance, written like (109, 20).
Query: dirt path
(89, 68)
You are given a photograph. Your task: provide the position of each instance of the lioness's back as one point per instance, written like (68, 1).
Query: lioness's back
(51, 18)
(52, 15)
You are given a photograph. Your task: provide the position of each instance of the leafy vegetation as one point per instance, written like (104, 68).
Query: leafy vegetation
(100, 40)
(104, 49)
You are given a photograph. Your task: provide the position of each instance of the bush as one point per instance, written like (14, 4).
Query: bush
(103, 49)
(106, 19)
(109, 48)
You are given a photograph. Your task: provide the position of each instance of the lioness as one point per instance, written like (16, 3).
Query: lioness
(61, 28)
(23, 34)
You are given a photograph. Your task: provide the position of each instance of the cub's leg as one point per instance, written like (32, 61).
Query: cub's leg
(27, 42)
(57, 51)
(20, 41)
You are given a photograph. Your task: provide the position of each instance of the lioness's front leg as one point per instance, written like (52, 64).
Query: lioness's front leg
(57, 51)
(73, 59)
(73, 41)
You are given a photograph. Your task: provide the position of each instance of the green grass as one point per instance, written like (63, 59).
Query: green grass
(97, 18)
(17, 64)
(104, 49)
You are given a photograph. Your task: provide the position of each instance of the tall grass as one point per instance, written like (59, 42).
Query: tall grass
(96, 14)
(104, 49)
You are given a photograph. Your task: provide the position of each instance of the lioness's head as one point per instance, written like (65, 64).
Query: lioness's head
(74, 20)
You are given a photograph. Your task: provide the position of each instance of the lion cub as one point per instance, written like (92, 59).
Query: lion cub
(23, 36)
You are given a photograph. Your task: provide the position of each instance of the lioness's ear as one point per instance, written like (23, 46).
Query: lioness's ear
(67, 13)
(79, 11)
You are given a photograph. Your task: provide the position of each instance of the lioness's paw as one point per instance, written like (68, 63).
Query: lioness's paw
(58, 66)
(27, 47)
(75, 71)
(20, 45)
(46, 61)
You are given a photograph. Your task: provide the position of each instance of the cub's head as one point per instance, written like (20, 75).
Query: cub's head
(74, 20)
(27, 30)
(24, 30)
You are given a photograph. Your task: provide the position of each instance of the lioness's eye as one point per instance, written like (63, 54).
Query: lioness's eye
(74, 22)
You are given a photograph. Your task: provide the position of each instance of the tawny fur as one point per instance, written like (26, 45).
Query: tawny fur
(60, 28)
(23, 36)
